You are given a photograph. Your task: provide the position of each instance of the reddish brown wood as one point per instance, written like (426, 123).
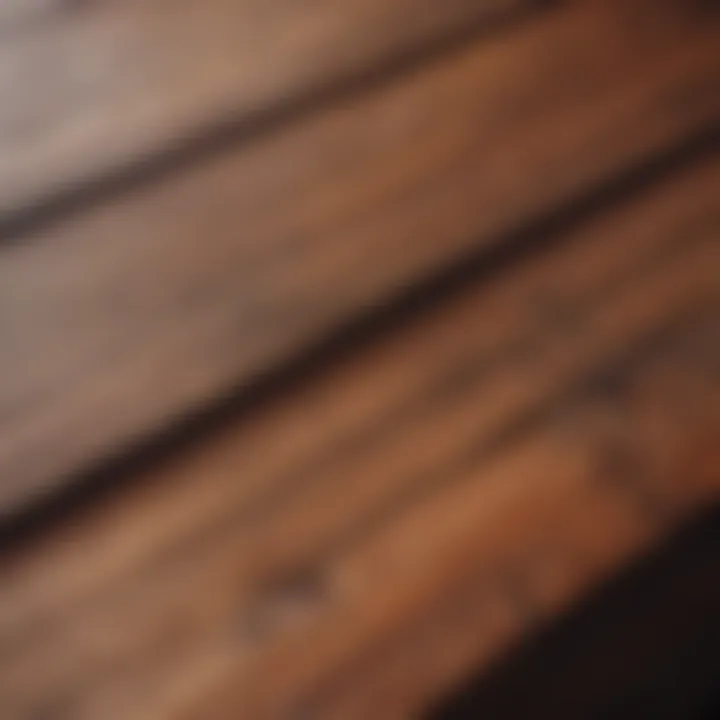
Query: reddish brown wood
(299, 555)
(92, 88)
(135, 314)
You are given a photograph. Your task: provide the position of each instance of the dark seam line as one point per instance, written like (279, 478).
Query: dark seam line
(28, 404)
(471, 372)
(581, 393)
(468, 367)
(484, 448)
(215, 139)
(279, 495)
(443, 390)
(193, 428)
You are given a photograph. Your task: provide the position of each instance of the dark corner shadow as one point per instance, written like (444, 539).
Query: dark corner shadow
(646, 647)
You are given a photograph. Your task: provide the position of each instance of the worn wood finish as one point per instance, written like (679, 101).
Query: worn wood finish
(288, 559)
(121, 320)
(513, 543)
(89, 88)
(381, 383)
(327, 378)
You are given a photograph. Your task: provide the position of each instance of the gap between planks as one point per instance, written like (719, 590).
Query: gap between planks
(122, 600)
(119, 324)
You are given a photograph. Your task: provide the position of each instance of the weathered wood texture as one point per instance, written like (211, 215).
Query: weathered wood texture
(135, 313)
(354, 544)
(89, 88)
(431, 289)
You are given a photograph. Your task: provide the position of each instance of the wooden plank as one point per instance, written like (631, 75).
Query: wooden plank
(340, 409)
(612, 533)
(545, 535)
(302, 435)
(120, 321)
(214, 562)
(87, 88)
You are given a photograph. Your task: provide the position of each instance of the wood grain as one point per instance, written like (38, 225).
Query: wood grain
(547, 537)
(344, 409)
(88, 88)
(245, 573)
(120, 321)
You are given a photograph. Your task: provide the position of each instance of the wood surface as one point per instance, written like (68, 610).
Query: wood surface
(343, 346)
(89, 89)
(136, 313)
(304, 554)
